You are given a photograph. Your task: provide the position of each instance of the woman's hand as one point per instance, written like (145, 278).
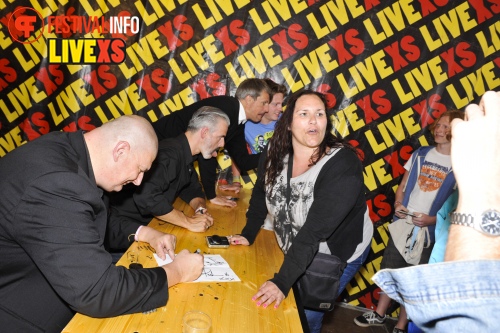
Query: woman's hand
(267, 294)
(238, 240)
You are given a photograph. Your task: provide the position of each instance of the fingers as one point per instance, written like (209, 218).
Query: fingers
(168, 247)
(489, 103)
(222, 201)
(231, 187)
(190, 265)
(171, 253)
(237, 240)
(268, 294)
(228, 202)
(473, 111)
(200, 223)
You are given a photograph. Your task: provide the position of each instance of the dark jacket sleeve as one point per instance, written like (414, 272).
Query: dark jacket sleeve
(337, 191)
(61, 226)
(120, 231)
(208, 175)
(193, 190)
(237, 149)
(257, 210)
(157, 192)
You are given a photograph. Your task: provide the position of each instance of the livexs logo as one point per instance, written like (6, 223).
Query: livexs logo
(26, 26)
(86, 50)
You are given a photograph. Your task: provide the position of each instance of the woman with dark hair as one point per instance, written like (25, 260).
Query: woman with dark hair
(325, 209)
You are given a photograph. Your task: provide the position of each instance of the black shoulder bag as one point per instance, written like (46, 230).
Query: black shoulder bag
(319, 285)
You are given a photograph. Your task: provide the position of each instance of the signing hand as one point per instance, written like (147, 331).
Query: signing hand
(223, 201)
(199, 222)
(186, 267)
(267, 294)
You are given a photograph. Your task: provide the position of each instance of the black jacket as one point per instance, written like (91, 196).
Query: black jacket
(52, 227)
(177, 122)
(172, 174)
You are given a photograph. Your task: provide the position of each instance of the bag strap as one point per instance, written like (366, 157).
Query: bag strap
(288, 177)
(427, 237)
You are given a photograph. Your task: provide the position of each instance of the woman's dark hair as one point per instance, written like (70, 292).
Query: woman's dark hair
(281, 141)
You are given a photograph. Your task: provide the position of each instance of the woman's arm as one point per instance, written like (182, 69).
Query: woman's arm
(257, 210)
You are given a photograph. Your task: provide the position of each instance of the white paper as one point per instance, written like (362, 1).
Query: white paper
(215, 269)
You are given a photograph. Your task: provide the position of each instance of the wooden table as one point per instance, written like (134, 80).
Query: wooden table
(229, 304)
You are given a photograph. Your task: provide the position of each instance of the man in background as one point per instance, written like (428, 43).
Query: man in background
(251, 102)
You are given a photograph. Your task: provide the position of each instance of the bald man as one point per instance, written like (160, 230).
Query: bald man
(53, 223)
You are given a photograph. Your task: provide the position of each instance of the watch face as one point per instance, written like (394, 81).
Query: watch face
(490, 222)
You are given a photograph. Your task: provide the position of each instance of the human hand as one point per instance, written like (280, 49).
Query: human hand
(475, 154)
(423, 220)
(199, 222)
(185, 267)
(223, 201)
(267, 294)
(236, 187)
(400, 207)
(238, 240)
(162, 243)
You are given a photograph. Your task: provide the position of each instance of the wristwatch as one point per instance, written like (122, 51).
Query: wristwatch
(487, 222)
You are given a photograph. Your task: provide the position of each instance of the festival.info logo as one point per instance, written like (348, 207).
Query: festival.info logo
(27, 26)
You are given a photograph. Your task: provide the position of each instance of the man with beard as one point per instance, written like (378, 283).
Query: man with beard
(172, 174)
(250, 102)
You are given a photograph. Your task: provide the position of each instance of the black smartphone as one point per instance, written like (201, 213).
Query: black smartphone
(218, 242)
(406, 213)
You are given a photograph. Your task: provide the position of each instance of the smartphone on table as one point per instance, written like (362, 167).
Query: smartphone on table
(218, 242)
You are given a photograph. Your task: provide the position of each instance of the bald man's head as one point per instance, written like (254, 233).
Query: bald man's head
(121, 151)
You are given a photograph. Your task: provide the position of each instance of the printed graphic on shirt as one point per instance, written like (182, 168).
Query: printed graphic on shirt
(260, 141)
(432, 176)
(287, 225)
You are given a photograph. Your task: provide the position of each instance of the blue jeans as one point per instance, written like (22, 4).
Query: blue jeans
(458, 296)
(315, 318)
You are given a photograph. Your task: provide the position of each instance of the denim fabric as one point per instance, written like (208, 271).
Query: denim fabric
(460, 296)
(315, 318)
